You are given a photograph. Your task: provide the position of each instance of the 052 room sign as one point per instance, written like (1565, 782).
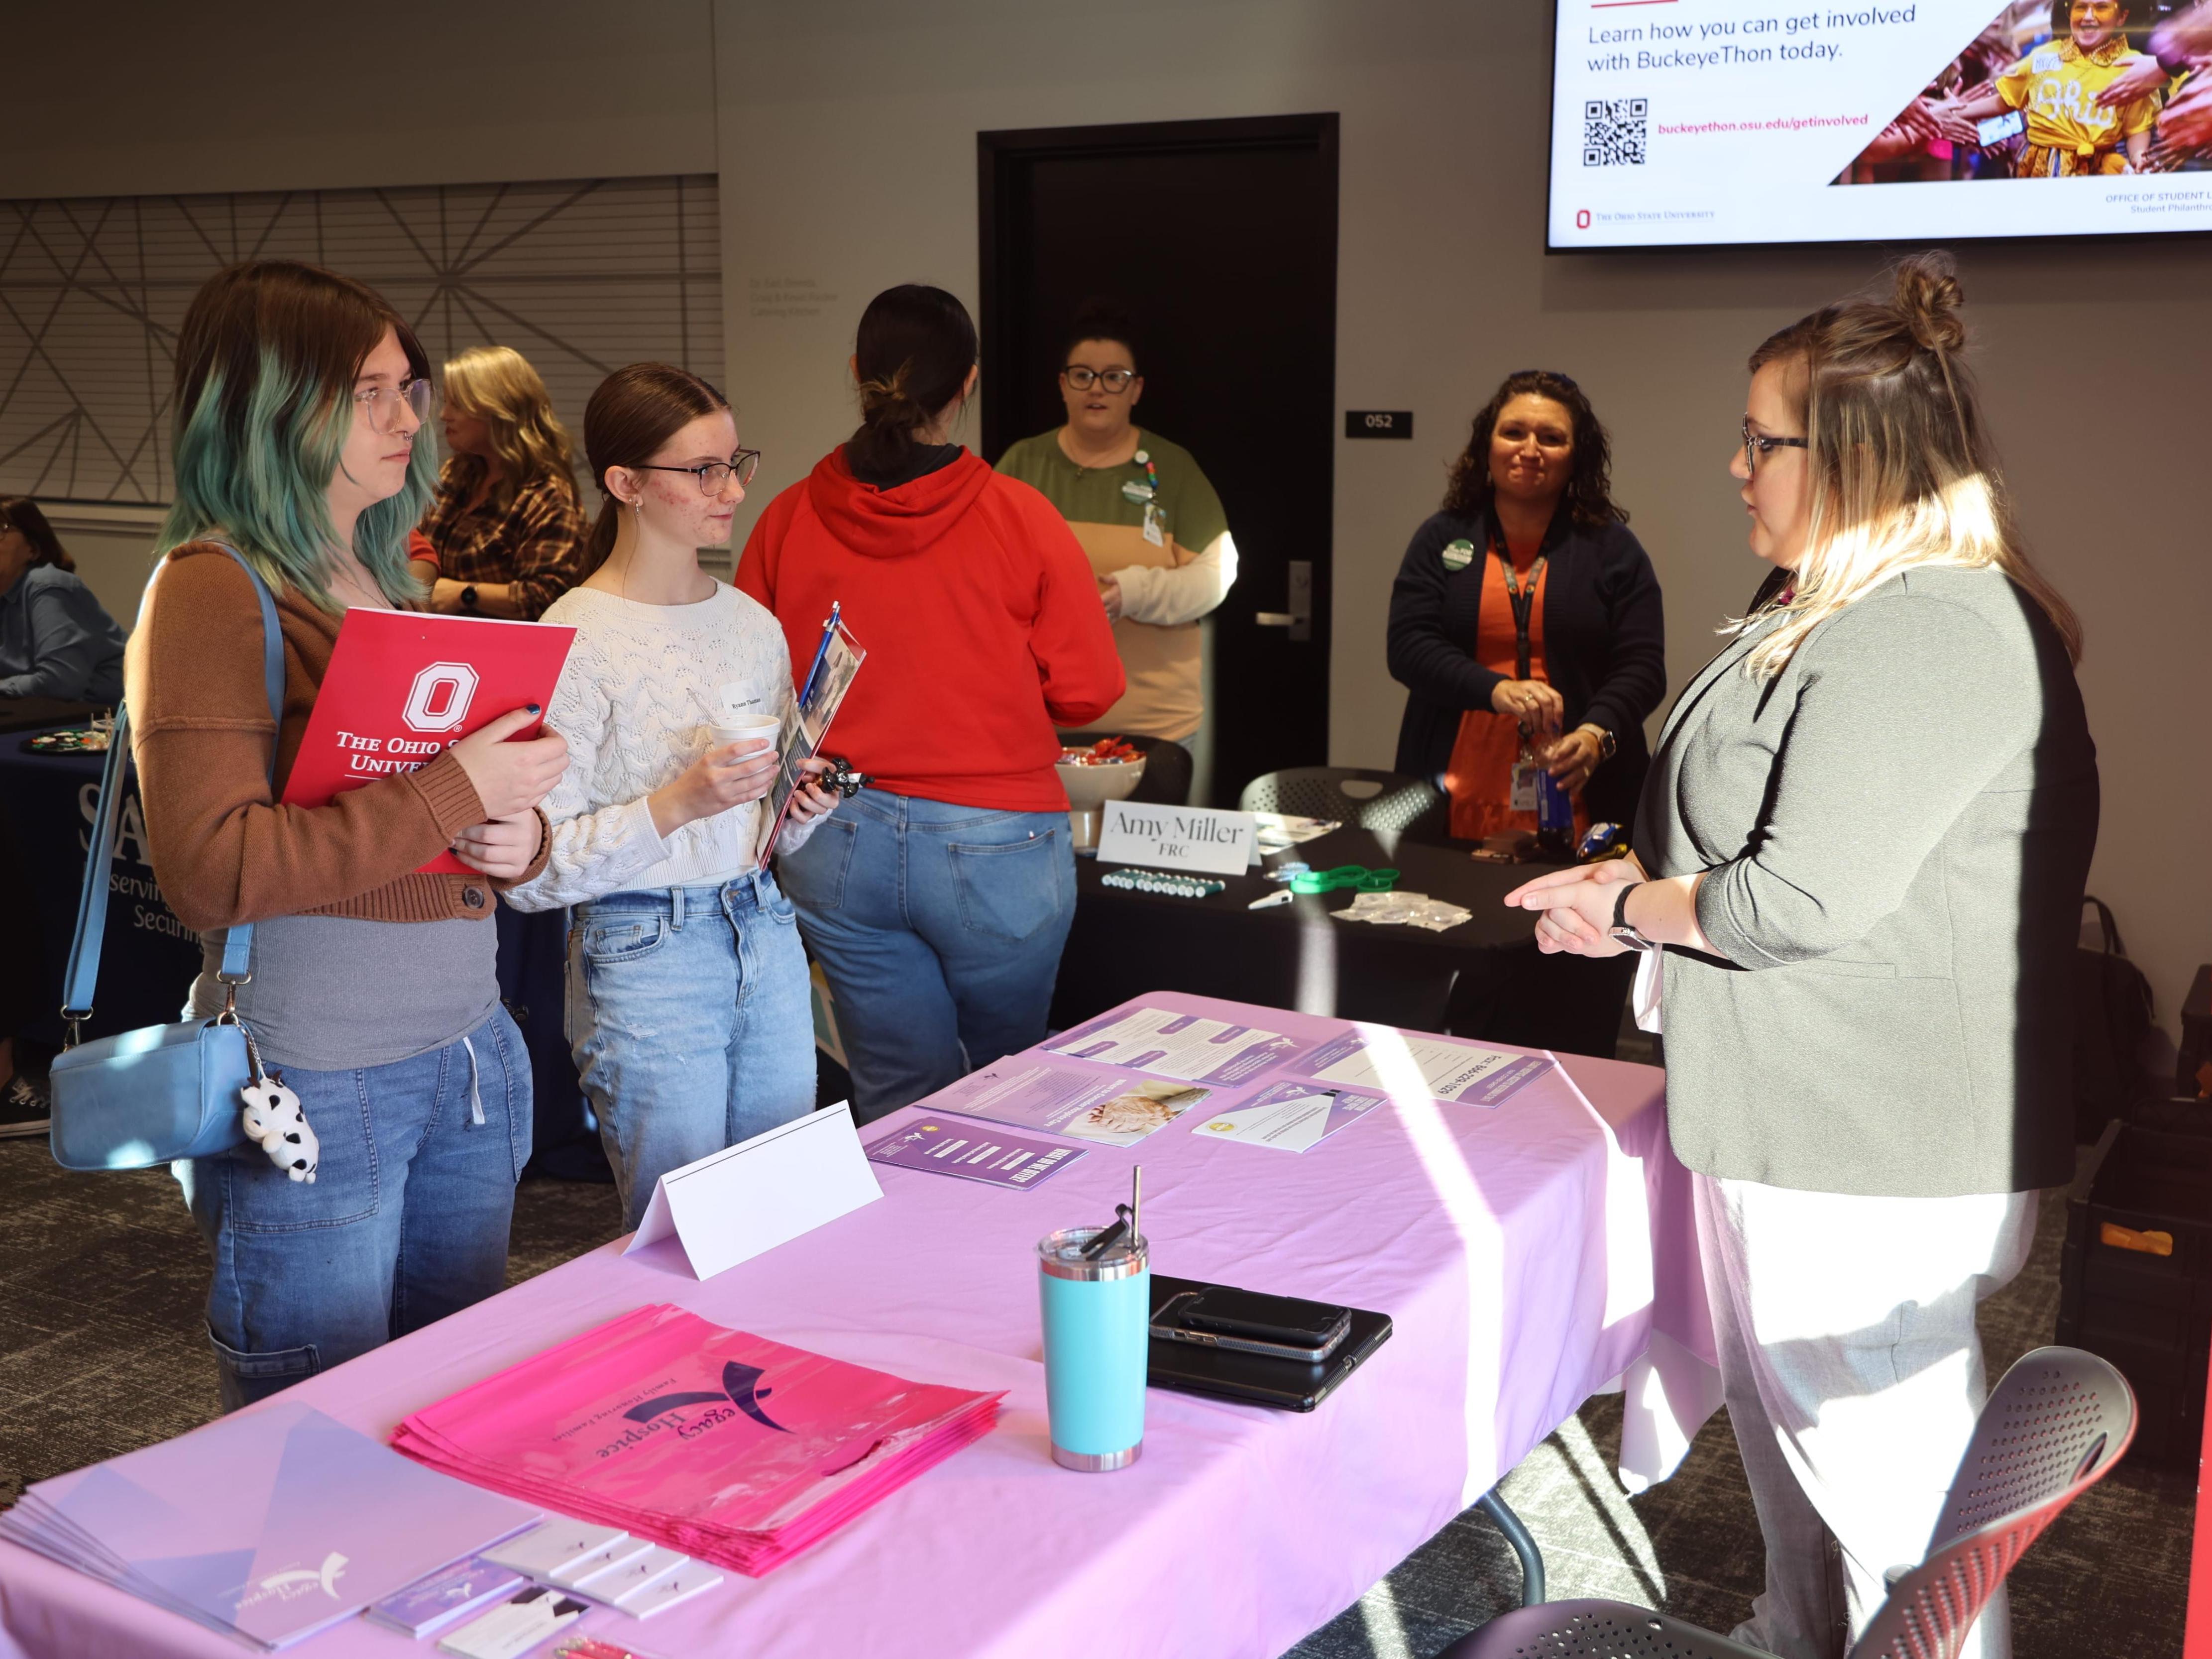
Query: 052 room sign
(1177, 837)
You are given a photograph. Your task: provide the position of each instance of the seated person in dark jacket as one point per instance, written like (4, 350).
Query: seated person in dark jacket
(1525, 611)
(55, 641)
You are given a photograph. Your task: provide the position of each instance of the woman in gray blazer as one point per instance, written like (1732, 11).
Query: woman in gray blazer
(1862, 846)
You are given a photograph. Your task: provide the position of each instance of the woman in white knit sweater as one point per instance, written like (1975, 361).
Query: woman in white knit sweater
(688, 1007)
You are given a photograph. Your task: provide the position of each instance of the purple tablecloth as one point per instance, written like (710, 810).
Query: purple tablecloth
(1528, 1255)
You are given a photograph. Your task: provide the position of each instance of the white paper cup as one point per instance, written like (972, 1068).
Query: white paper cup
(762, 730)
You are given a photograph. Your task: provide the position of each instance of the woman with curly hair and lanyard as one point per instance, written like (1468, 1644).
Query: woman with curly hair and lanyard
(1525, 609)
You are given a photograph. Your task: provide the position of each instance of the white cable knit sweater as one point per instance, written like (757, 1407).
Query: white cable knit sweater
(641, 685)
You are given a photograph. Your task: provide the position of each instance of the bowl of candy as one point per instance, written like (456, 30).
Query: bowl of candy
(1110, 770)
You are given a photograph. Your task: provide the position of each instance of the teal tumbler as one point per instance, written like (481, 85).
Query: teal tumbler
(1097, 1333)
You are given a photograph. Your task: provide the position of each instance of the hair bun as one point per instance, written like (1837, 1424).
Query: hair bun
(1928, 300)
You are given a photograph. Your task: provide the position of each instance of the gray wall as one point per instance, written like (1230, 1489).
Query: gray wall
(844, 134)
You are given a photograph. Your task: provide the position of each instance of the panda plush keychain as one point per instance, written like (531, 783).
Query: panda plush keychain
(275, 1121)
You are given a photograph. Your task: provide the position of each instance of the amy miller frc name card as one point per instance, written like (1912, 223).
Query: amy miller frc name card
(1177, 837)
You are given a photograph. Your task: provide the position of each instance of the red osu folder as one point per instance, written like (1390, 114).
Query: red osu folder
(404, 686)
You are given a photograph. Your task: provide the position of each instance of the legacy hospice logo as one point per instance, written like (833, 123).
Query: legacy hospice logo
(741, 1387)
(296, 1582)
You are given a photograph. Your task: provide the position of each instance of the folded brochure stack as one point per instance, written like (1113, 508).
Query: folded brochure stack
(717, 1443)
(268, 1525)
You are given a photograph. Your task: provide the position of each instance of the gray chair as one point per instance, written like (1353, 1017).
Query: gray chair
(1354, 797)
(2053, 1428)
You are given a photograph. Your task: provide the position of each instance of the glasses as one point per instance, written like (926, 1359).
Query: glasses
(1115, 381)
(1756, 444)
(382, 403)
(713, 476)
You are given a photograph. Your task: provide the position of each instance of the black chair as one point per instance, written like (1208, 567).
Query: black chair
(2052, 1428)
(1167, 775)
(1352, 796)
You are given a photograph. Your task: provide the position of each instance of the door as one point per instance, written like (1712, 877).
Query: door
(1219, 237)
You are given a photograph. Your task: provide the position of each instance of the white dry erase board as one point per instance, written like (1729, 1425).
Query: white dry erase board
(1177, 837)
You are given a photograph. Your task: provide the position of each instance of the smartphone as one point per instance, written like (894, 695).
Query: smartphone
(1284, 1328)
(1998, 128)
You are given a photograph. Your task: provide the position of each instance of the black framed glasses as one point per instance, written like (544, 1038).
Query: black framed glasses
(1115, 381)
(1756, 444)
(382, 403)
(714, 474)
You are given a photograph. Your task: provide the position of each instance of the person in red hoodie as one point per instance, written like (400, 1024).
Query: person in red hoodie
(937, 904)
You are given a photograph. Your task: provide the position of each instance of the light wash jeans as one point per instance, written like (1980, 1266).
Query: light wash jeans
(691, 1022)
(406, 1222)
(939, 929)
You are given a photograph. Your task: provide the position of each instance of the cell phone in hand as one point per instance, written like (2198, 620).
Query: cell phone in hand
(1281, 1326)
(1998, 128)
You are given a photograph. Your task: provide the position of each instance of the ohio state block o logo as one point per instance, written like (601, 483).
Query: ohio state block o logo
(439, 700)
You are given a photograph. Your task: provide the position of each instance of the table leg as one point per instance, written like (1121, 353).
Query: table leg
(1531, 1564)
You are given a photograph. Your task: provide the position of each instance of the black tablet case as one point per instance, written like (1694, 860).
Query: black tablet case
(1259, 1378)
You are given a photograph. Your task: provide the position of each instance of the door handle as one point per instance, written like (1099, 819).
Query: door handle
(1298, 619)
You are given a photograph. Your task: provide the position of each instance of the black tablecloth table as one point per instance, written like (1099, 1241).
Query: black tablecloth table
(150, 956)
(1483, 978)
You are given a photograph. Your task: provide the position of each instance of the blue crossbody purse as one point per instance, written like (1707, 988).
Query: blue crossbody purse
(161, 1092)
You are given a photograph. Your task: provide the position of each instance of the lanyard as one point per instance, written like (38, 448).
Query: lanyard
(1523, 597)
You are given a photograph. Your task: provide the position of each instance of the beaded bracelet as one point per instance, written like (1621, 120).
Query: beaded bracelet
(1160, 881)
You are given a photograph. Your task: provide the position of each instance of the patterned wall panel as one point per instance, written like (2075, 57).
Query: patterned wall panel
(580, 276)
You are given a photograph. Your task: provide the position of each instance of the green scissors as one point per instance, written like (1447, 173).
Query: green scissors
(1356, 877)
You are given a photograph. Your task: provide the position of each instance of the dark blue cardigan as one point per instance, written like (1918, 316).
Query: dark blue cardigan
(1605, 646)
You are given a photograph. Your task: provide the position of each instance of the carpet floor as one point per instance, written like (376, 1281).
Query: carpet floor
(102, 1278)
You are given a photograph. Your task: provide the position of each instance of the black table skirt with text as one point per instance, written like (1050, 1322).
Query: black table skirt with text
(146, 970)
(1483, 978)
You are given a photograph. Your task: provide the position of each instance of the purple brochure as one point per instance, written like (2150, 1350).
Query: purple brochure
(422, 1608)
(1445, 1069)
(973, 1153)
(1290, 1117)
(273, 1523)
(1070, 1100)
(1168, 1044)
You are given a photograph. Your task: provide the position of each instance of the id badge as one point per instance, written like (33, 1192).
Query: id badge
(1152, 526)
(1525, 786)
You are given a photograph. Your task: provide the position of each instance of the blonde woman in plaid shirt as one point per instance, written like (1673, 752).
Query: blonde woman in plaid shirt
(505, 536)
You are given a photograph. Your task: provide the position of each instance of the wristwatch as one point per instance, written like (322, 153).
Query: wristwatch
(1622, 928)
(1606, 743)
(469, 596)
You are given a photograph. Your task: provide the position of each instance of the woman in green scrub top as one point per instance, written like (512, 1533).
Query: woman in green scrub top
(1159, 541)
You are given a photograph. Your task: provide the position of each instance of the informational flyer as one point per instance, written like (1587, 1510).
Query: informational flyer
(1070, 1100)
(1170, 1044)
(1704, 122)
(1461, 1071)
(1291, 1117)
(992, 1156)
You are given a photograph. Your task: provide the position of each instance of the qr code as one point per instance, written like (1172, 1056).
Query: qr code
(1613, 132)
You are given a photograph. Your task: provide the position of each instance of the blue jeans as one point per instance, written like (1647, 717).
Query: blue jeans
(939, 929)
(406, 1222)
(691, 1022)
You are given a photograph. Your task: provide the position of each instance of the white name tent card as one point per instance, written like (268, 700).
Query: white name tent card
(1177, 837)
(745, 1200)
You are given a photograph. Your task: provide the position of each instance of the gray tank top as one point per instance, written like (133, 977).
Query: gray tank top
(336, 994)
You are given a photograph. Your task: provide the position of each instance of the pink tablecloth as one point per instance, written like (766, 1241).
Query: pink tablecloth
(1528, 1255)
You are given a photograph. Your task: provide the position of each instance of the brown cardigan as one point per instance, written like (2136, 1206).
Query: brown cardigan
(223, 851)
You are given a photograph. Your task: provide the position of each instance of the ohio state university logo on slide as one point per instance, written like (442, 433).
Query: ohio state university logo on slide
(439, 700)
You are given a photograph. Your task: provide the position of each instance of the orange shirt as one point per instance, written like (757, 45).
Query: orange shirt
(1479, 779)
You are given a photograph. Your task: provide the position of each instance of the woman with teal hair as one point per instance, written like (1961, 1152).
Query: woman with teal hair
(300, 395)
